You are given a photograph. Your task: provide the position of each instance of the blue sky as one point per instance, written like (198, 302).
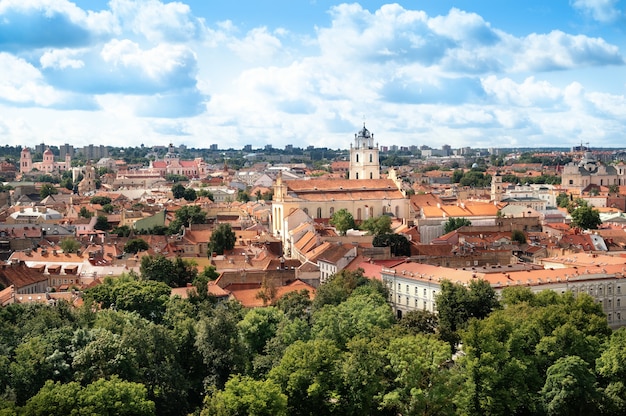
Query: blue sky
(479, 73)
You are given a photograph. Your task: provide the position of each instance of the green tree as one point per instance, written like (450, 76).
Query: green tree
(422, 383)
(308, 374)
(377, 226)
(147, 298)
(47, 190)
(518, 236)
(187, 215)
(586, 217)
(295, 304)
(69, 245)
(136, 245)
(611, 368)
(102, 223)
(220, 345)
(570, 388)
(205, 193)
(243, 196)
(85, 213)
(223, 238)
(246, 396)
(190, 194)
(362, 314)
(100, 200)
(342, 220)
(258, 326)
(457, 304)
(176, 273)
(122, 231)
(178, 191)
(398, 244)
(419, 322)
(509, 352)
(338, 287)
(455, 223)
(108, 208)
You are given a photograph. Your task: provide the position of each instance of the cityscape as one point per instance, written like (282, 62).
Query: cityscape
(305, 208)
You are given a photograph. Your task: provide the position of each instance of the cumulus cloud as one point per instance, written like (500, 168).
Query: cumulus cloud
(257, 45)
(122, 66)
(24, 86)
(558, 50)
(157, 21)
(604, 11)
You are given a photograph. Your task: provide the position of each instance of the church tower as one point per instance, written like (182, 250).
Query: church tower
(26, 161)
(364, 162)
(496, 187)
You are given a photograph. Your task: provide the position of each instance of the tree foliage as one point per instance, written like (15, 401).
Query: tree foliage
(586, 218)
(454, 223)
(47, 190)
(222, 239)
(342, 220)
(100, 200)
(69, 245)
(377, 226)
(174, 273)
(398, 244)
(136, 245)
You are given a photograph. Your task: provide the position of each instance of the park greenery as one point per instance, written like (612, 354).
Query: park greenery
(132, 349)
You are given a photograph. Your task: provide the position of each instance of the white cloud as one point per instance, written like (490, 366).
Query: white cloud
(61, 58)
(157, 21)
(604, 11)
(257, 45)
(558, 50)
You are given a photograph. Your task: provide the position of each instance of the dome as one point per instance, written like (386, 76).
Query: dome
(48, 152)
(364, 132)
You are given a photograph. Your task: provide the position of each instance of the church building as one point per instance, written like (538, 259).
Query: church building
(365, 194)
(589, 171)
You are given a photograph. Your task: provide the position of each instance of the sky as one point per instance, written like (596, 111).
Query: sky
(466, 73)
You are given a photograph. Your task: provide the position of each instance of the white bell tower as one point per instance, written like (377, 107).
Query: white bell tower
(364, 163)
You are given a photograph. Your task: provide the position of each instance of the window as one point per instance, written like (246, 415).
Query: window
(619, 289)
(332, 211)
(618, 302)
(357, 175)
(399, 287)
(415, 290)
(371, 175)
(407, 301)
(407, 288)
(609, 318)
(370, 158)
(424, 292)
(416, 303)
(357, 160)
(319, 212)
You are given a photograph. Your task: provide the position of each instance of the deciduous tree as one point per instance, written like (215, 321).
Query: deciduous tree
(342, 220)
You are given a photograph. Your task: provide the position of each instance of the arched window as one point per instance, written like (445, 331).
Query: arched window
(306, 211)
(358, 214)
(397, 210)
(357, 158)
(371, 175)
(357, 175)
(332, 211)
(319, 212)
(370, 158)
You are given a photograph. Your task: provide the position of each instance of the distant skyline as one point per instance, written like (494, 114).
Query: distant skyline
(463, 73)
